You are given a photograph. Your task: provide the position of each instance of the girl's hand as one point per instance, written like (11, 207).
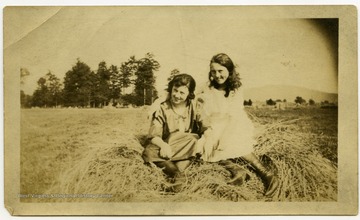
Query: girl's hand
(165, 151)
(210, 146)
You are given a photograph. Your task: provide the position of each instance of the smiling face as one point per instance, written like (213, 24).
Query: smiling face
(179, 95)
(219, 73)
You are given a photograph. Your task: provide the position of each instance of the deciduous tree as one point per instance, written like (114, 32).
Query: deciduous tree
(270, 102)
(41, 94)
(54, 89)
(78, 85)
(311, 102)
(173, 73)
(299, 100)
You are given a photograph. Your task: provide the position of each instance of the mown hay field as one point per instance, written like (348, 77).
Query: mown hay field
(82, 155)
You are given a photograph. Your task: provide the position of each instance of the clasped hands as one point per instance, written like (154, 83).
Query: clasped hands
(166, 151)
(207, 144)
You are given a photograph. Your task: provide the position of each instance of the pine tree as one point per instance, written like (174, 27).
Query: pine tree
(144, 84)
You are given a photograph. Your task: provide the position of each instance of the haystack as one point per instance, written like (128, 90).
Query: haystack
(118, 170)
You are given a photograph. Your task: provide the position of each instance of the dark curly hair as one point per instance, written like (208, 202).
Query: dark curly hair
(183, 80)
(233, 81)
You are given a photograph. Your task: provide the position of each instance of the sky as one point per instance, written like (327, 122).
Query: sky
(268, 50)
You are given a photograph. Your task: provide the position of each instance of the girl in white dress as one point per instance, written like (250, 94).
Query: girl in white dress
(227, 132)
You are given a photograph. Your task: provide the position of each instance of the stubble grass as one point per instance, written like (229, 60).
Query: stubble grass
(98, 151)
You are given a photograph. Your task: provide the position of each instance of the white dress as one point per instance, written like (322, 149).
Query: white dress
(230, 126)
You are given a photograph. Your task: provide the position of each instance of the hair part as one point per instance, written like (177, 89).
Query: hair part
(233, 82)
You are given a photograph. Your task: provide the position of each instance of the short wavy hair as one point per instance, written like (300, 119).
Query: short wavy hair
(233, 82)
(183, 80)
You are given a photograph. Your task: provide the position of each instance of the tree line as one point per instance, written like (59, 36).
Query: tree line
(108, 85)
(83, 87)
(298, 100)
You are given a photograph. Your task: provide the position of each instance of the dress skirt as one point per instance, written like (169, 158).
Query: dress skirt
(235, 138)
(183, 146)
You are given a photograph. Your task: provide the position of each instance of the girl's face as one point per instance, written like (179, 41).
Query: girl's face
(179, 94)
(219, 73)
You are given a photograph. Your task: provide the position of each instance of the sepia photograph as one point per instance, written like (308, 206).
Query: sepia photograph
(180, 110)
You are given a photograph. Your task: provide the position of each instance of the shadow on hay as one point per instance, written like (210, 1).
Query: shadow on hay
(119, 170)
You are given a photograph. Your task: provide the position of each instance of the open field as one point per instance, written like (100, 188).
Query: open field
(98, 151)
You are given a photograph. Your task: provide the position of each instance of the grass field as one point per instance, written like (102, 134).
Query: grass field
(98, 151)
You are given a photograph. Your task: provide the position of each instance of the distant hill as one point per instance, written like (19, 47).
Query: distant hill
(289, 93)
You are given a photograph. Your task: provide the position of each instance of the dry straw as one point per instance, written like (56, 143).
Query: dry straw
(119, 170)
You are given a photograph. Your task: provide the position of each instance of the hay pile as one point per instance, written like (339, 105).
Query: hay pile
(305, 175)
(119, 170)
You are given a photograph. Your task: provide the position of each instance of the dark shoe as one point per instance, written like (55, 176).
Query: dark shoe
(238, 174)
(178, 184)
(168, 167)
(240, 177)
(271, 182)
